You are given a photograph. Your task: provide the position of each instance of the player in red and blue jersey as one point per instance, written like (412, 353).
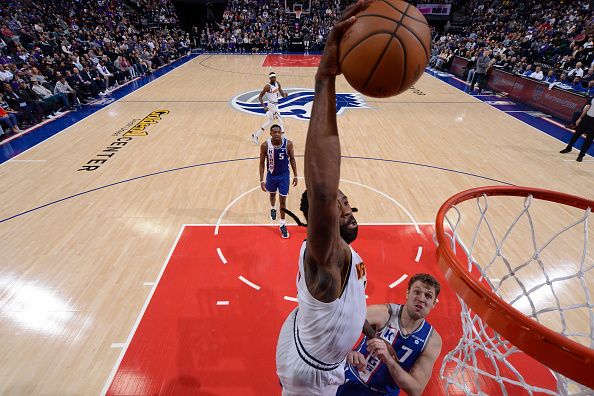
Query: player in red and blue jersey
(372, 370)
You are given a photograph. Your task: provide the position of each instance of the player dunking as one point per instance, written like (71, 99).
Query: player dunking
(273, 92)
(278, 153)
(317, 336)
(371, 371)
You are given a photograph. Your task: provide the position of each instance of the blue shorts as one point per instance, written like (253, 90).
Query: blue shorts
(353, 387)
(278, 182)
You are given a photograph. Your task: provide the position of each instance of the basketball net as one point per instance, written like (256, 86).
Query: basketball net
(298, 13)
(482, 355)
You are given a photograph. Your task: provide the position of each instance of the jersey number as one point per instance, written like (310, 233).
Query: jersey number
(281, 156)
(407, 353)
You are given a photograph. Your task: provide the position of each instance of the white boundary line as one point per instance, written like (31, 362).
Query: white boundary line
(390, 199)
(222, 302)
(397, 281)
(247, 282)
(216, 231)
(223, 259)
(557, 124)
(414, 222)
(140, 315)
(290, 298)
(29, 161)
(419, 253)
(100, 110)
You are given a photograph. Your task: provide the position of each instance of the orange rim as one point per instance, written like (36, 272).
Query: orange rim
(559, 353)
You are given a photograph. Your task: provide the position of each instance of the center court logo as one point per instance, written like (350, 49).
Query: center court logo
(297, 104)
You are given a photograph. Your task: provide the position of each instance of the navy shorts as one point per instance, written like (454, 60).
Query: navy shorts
(278, 182)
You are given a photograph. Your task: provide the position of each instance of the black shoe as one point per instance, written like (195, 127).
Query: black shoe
(579, 159)
(566, 150)
(284, 232)
(272, 214)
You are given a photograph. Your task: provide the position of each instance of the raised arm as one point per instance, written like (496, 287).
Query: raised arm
(322, 154)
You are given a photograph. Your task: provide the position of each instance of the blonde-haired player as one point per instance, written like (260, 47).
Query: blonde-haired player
(273, 92)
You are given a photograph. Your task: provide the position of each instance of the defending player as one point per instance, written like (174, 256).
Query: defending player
(371, 371)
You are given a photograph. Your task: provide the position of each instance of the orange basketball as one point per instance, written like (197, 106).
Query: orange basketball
(387, 48)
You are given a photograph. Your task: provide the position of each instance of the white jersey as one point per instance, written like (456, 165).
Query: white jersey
(273, 93)
(328, 331)
(316, 337)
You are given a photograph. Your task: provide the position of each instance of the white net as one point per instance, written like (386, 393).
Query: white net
(538, 262)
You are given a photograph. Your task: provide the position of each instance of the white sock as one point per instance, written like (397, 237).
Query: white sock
(273, 207)
(282, 222)
(259, 132)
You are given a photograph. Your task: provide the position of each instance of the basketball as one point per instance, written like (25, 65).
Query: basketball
(387, 48)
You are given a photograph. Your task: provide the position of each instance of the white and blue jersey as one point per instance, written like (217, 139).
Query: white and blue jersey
(277, 175)
(375, 378)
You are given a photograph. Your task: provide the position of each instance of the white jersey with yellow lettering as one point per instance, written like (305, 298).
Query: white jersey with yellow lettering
(316, 337)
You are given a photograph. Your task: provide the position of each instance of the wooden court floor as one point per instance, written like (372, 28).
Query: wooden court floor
(77, 270)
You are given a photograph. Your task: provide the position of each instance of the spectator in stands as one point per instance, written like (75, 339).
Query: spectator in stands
(5, 75)
(31, 50)
(33, 100)
(577, 86)
(62, 87)
(97, 84)
(528, 72)
(537, 75)
(577, 71)
(109, 78)
(57, 101)
(442, 59)
(85, 88)
(588, 76)
(8, 118)
(550, 78)
(26, 111)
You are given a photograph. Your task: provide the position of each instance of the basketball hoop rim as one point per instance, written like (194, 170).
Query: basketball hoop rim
(559, 353)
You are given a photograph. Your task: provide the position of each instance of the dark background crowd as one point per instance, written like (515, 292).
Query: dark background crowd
(547, 40)
(56, 55)
(260, 25)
